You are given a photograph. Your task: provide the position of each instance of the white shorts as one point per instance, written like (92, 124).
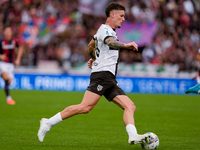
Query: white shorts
(8, 68)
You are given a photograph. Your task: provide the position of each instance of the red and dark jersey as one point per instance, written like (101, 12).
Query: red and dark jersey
(8, 48)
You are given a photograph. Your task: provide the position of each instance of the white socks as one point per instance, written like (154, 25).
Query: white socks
(8, 97)
(55, 119)
(198, 79)
(131, 130)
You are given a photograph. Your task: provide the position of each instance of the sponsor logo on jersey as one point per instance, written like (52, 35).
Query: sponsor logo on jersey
(10, 46)
(107, 33)
(99, 87)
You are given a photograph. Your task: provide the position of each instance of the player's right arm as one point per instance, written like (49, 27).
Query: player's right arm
(2, 57)
(91, 50)
(111, 42)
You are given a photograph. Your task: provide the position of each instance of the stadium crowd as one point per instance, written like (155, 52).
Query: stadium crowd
(176, 41)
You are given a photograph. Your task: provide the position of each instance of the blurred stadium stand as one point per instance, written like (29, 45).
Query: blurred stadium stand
(55, 34)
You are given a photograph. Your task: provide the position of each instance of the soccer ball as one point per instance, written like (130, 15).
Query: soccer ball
(153, 144)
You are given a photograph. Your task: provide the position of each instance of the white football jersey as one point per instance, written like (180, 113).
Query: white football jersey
(106, 57)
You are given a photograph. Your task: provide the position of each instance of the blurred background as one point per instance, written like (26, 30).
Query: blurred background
(55, 35)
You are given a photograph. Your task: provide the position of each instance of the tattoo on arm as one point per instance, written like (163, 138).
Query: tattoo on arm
(114, 43)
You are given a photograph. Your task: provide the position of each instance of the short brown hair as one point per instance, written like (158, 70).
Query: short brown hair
(6, 26)
(113, 6)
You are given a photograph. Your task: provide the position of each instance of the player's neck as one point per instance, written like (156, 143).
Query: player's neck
(109, 23)
(7, 39)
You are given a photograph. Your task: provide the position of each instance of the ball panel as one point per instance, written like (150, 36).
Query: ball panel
(153, 144)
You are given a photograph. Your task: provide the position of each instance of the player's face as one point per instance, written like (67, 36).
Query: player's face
(8, 33)
(119, 18)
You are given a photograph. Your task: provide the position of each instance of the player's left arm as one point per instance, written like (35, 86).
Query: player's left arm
(19, 55)
(110, 41)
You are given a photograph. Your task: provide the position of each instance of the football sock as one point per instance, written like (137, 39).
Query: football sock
(6, 89)
(198, 79)
(131, 130)
(8, 97)
(55, 119)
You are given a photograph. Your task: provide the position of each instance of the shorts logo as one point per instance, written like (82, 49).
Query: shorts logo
(107, 33)
(99, 88)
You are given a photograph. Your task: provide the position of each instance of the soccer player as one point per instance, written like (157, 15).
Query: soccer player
(104, 50)
(196, 88)
(7, 60)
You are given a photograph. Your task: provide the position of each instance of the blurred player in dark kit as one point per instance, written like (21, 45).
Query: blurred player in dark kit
(8, 59)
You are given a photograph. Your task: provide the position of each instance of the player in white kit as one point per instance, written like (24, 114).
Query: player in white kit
(104, 50)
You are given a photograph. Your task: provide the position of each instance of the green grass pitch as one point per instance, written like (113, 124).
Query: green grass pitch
(174, 118)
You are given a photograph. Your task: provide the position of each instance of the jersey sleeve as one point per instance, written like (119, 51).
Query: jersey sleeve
(105, 33)
(16, 43)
